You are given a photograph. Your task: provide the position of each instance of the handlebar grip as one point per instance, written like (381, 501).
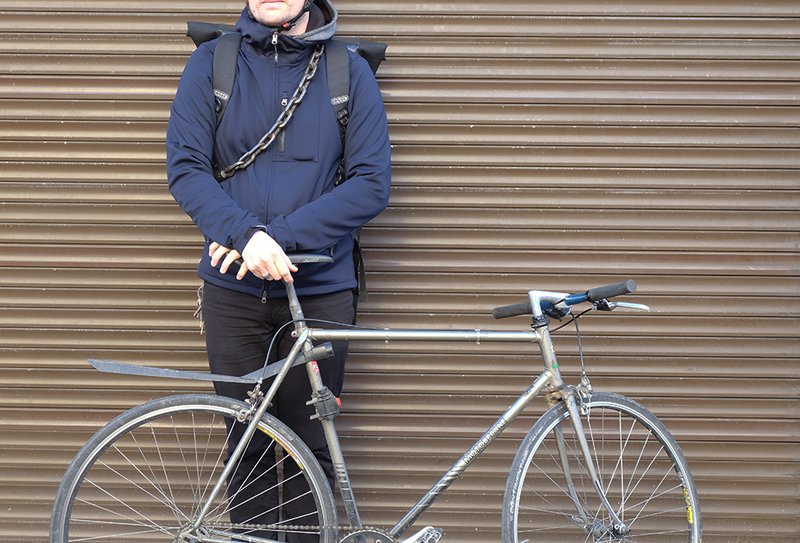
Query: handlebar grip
(609, 291)
(512, 310)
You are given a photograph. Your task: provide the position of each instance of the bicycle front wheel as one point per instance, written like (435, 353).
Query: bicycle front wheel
(148, 474)
(551, 498)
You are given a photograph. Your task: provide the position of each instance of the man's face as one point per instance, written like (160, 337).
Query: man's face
(274, 12)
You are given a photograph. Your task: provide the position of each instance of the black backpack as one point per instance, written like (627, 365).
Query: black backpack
(337, 66)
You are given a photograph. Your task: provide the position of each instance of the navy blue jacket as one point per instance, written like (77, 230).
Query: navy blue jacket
(289, 189)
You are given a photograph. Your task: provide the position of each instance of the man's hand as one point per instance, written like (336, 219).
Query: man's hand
(266, 260)
(262, 256)
(228, 256)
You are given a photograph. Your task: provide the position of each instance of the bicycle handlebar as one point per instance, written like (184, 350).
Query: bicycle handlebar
(299, 258)
(609, 291)
(512, 310)
(592, 295)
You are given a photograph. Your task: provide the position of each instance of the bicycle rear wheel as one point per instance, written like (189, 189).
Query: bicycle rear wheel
(146, 475)
(641, 470)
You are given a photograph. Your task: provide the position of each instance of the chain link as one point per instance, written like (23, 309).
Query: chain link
(286, 115)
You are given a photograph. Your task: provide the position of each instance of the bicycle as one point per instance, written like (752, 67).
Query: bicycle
(594, 467)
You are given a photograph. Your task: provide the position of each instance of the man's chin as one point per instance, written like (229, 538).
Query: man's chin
(270, 12)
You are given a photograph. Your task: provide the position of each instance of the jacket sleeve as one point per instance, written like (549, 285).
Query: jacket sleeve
(365, 192)
(190, 148)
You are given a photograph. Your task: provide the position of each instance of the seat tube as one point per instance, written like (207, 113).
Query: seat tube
(335, 449)
(328, 426)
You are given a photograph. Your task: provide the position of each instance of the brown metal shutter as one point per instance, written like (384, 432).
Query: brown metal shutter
(547, 145)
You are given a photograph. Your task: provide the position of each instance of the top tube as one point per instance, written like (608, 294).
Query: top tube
(399, 334)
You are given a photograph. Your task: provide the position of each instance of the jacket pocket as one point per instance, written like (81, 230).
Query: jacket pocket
(299, 141)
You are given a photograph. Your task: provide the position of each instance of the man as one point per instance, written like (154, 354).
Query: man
(285, 201)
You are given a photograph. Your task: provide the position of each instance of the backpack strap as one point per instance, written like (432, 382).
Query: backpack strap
(225, 55)
(224, 70)
(337, 63)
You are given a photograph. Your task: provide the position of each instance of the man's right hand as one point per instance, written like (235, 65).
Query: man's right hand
(262, 256)
(265, 259)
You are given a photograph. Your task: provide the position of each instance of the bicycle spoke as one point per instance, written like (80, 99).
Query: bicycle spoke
(112, 536)
(249, 482)
(251, 519)
(635, 466)
(136, 485)
(146, 462)
(213, 474)
(133, 482)
(145, 521)
(163, 466)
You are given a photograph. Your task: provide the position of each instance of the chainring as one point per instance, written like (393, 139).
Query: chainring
(368, 536)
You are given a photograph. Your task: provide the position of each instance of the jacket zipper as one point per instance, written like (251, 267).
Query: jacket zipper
(282, 134)
(264, 294)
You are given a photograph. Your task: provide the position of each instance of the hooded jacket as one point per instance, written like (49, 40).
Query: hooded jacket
(289, 189)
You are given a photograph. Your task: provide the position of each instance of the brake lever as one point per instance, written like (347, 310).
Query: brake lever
(611, 306)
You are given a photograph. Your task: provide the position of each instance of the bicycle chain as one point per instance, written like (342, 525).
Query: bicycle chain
(292, 527)
(266, 140)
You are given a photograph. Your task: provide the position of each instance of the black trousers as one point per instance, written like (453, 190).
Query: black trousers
(239, 329)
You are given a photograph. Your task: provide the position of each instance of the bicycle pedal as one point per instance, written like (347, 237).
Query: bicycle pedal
(428, 534)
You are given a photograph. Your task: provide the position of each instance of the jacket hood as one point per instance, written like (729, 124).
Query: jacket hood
(321, 25)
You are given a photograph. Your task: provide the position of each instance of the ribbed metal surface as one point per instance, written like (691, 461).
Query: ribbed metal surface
(554, 145)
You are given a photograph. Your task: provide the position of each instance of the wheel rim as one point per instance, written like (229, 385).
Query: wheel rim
(643, 476)
(147, 481)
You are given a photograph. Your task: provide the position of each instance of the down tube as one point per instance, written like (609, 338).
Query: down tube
(476, 450)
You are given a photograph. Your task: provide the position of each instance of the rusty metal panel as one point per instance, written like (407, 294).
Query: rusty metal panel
(555, 145)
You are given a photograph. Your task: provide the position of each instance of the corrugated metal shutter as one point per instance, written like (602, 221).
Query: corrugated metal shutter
(552, 145)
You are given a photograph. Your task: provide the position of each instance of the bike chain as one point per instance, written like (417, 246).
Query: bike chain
(293, 527)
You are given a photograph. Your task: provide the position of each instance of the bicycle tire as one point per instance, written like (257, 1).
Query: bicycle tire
(640, 465)
(143, 476)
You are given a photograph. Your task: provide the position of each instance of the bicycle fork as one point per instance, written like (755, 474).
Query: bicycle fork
(618, 527)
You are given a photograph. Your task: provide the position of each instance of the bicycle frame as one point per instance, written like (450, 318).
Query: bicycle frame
(549, 377)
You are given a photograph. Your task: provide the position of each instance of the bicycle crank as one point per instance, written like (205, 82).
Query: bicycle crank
(429, 534)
